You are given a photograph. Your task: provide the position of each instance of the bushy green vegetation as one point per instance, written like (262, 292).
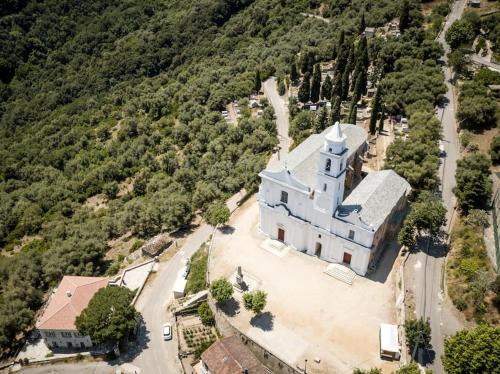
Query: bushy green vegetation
(473, 351)
(205, 314)
(217, 214)
(97, 97)
(417, 157)
(427, 216)
(418, 334)
(255, 301)
(109, 317)
(464, 30)
(197, 277)
(473, 183)
(221, 290)
(471, 283)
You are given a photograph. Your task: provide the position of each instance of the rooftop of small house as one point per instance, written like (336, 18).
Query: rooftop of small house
(68, 300)
(229, 355)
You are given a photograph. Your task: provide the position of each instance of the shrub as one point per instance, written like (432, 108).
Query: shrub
(205, 314)
(255, 301)
(495, 150)
(137, 244)
(221, 290)
(460, 304)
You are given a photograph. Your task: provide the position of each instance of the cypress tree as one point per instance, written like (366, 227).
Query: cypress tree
(350, 58)
(360, 84)
(316, 84)
(337, 85)
(340, 41)
(363, 52)
(345, 84)
(307, 62)
(375, 110)
(258, 82)
(404, 17)
(335, 112)
(294, 75)
(353, 112)
(362, 23)
(381, 122)
(321, 121)
(304, 89)
(326, 88)
(281, 88)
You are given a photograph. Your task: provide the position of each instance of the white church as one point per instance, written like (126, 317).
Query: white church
(307, 200)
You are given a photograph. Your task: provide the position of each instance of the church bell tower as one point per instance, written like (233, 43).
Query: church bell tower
(329, 191)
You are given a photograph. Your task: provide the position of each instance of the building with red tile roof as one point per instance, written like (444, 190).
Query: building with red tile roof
(68, 300)
(230, 356)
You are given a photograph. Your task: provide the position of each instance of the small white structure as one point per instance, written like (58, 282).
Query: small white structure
(302, 201)
(369, 32)
(389, 342)
(179, 287)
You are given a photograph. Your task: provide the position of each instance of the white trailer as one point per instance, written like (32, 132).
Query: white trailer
(389, 342)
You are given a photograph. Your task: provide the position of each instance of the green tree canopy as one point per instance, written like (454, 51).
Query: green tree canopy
(109, 317)
(460, 32)
(205, 314)
(257, 81)
(221, 290)
(326, 88)
(316, 84)
(495, 150)
(418, 334)
(473, 351)
(473, 188)
(217, 214)
(304, 89)
(255, 301)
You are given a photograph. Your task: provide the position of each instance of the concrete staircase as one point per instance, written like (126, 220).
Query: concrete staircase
(341, 272)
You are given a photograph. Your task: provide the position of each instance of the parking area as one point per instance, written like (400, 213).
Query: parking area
(309, 314)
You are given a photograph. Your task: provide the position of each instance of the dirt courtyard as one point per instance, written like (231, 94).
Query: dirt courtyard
(309, 314)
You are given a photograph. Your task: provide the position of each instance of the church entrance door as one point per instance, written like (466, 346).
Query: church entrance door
(317, 250)
(347, 258)
(281, 235)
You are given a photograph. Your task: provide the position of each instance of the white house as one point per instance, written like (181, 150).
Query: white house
(57, 323)
(302, 200)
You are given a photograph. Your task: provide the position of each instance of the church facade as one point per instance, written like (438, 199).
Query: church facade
(303, 203)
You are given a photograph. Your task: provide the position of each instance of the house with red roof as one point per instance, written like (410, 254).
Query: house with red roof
(68, 300)
(229, 356)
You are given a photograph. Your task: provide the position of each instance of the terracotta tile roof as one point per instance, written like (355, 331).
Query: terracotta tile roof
(70, 298)
(231, 356)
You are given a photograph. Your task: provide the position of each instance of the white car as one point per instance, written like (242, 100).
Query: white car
(167, 331)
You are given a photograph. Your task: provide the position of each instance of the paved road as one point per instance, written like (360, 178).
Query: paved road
(281, 110)
(479, 60)
(159, 356)
(429, 262)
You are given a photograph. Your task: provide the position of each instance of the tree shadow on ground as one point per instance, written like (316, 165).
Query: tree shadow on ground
(264, 321)
(425, 356)
(230, 308)
(226, 230)
(131, 349)
(184, 231)
(436, 248)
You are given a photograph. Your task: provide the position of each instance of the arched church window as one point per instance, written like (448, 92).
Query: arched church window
(328, 165)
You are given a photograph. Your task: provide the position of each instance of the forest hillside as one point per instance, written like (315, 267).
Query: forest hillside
(123, 98)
